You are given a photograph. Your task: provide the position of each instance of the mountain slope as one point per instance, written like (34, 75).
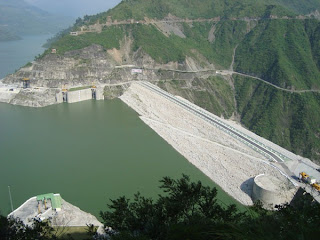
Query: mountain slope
(138, 9)
(301, 6)
(181, 46)
(287, 52)
(18, 17)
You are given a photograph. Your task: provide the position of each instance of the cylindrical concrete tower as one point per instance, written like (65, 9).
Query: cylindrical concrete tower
(272, 191)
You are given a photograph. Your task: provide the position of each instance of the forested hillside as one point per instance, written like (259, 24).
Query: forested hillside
(266, 39)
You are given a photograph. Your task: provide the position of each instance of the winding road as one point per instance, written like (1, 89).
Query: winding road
(230, 130)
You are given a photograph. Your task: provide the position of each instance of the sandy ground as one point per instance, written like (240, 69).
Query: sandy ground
(228, 162)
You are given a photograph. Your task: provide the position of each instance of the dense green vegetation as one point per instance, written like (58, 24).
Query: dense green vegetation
(301, 6)
(189, 210)
(284, 52)
(288, 119)
(162, 48)
(109, 38)
(174, 48)
(14, 229)
(138, 9)
(186, 210)
(213, 94)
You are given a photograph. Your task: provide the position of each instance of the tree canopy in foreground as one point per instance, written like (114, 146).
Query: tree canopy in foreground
(189, 210)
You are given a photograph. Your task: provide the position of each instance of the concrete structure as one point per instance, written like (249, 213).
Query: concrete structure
(55, 200)
(272, 191)
(67, 216)
(8, 93)
(99, 93)
(59, 97)
(96, 93)
(26, 82)
(80, 95)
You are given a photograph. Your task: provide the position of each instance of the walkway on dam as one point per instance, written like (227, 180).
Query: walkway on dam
(256, 145)
(266, 151)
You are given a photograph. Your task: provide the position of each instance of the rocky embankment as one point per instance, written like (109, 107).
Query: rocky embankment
(68, 216)
(225, 160)
(92, 66)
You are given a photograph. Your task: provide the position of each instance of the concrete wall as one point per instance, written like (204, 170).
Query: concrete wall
(59, 97)
(271, 191)
(99, 94)
(78, 96)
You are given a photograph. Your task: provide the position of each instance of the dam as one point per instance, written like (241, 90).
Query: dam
(79, 95)
(89, 152)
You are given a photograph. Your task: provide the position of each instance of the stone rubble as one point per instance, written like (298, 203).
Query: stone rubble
(225, 160)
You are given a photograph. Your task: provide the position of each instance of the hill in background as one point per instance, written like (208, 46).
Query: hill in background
(275, 40)
(18, 18)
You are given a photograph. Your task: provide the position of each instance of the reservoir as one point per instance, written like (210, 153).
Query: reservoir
(89, 152)
(15, 54)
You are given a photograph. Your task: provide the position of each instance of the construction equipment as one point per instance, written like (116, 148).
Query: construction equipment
(309, 180)
(316, 186)
(303, 176)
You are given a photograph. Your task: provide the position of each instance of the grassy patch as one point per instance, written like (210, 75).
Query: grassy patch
(78, 233)
(78, 88)
(109, 38)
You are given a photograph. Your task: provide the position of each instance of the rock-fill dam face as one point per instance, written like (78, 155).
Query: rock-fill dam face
(272, 191)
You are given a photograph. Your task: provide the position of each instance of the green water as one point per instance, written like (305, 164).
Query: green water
(15, 54)
(89, 152)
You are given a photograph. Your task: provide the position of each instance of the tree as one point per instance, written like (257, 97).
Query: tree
(15, 229)
(185, 205)
(189, 210)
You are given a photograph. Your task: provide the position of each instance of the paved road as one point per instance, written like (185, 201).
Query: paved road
(254, 144)
(225, 127)
(273, 85)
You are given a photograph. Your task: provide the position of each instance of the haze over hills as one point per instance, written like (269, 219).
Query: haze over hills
(273, 44)
(18, 18)
(74, 8)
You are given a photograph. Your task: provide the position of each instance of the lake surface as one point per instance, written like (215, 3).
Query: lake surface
(15, 54)
(89, 152)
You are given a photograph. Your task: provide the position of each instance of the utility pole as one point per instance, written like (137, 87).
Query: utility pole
(10, 198)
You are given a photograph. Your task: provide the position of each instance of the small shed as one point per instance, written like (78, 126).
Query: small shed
(54, 198)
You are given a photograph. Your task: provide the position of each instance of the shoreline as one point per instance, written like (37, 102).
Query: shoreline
(225, 160)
